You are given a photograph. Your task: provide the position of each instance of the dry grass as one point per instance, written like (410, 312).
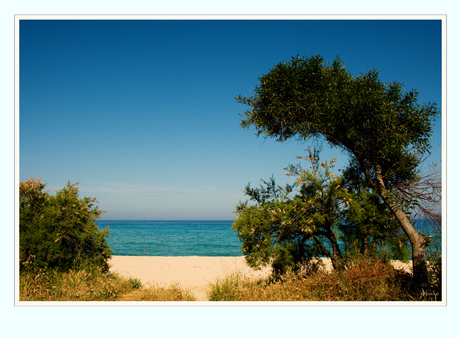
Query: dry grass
(164, 293)
(94, 286)
(364, 280)
(73, 286)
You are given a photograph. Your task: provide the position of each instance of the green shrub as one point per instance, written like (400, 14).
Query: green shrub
(59, 232)
(135, 283)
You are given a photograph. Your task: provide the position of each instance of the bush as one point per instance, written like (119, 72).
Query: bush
(286, 230)
(59, 232)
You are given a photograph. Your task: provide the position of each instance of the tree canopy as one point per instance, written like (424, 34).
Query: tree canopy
(376, 123)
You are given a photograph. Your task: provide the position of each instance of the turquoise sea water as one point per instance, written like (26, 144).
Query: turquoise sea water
(186, 238)
(172, 238)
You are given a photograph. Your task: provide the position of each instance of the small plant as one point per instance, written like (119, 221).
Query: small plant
(135, 282)
(161, 293)
(228, 288)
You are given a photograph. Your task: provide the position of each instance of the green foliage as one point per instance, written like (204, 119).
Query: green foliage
(59, 231)
(136, 283)
(369, 227)
(286, 231)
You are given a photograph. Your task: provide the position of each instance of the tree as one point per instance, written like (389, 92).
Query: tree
(381, 128)
(287, 231)
(59, 231)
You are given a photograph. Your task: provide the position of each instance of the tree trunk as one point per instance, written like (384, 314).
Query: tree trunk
(364, 247)
(417, 240)
(336, 254)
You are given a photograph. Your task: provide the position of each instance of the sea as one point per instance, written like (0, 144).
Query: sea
(186, 238)
(172, 238)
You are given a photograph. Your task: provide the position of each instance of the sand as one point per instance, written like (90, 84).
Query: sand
(194, 272)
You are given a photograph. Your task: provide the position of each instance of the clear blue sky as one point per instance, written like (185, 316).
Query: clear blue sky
(143, 115)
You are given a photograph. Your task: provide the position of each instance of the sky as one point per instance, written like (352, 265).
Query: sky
(142, 113)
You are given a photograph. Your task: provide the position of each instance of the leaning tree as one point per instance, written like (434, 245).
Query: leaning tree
(381, 127)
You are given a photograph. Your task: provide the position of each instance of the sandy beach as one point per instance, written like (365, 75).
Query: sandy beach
(194, 272)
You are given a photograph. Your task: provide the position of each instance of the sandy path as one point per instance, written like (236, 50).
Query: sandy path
(191, 272)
